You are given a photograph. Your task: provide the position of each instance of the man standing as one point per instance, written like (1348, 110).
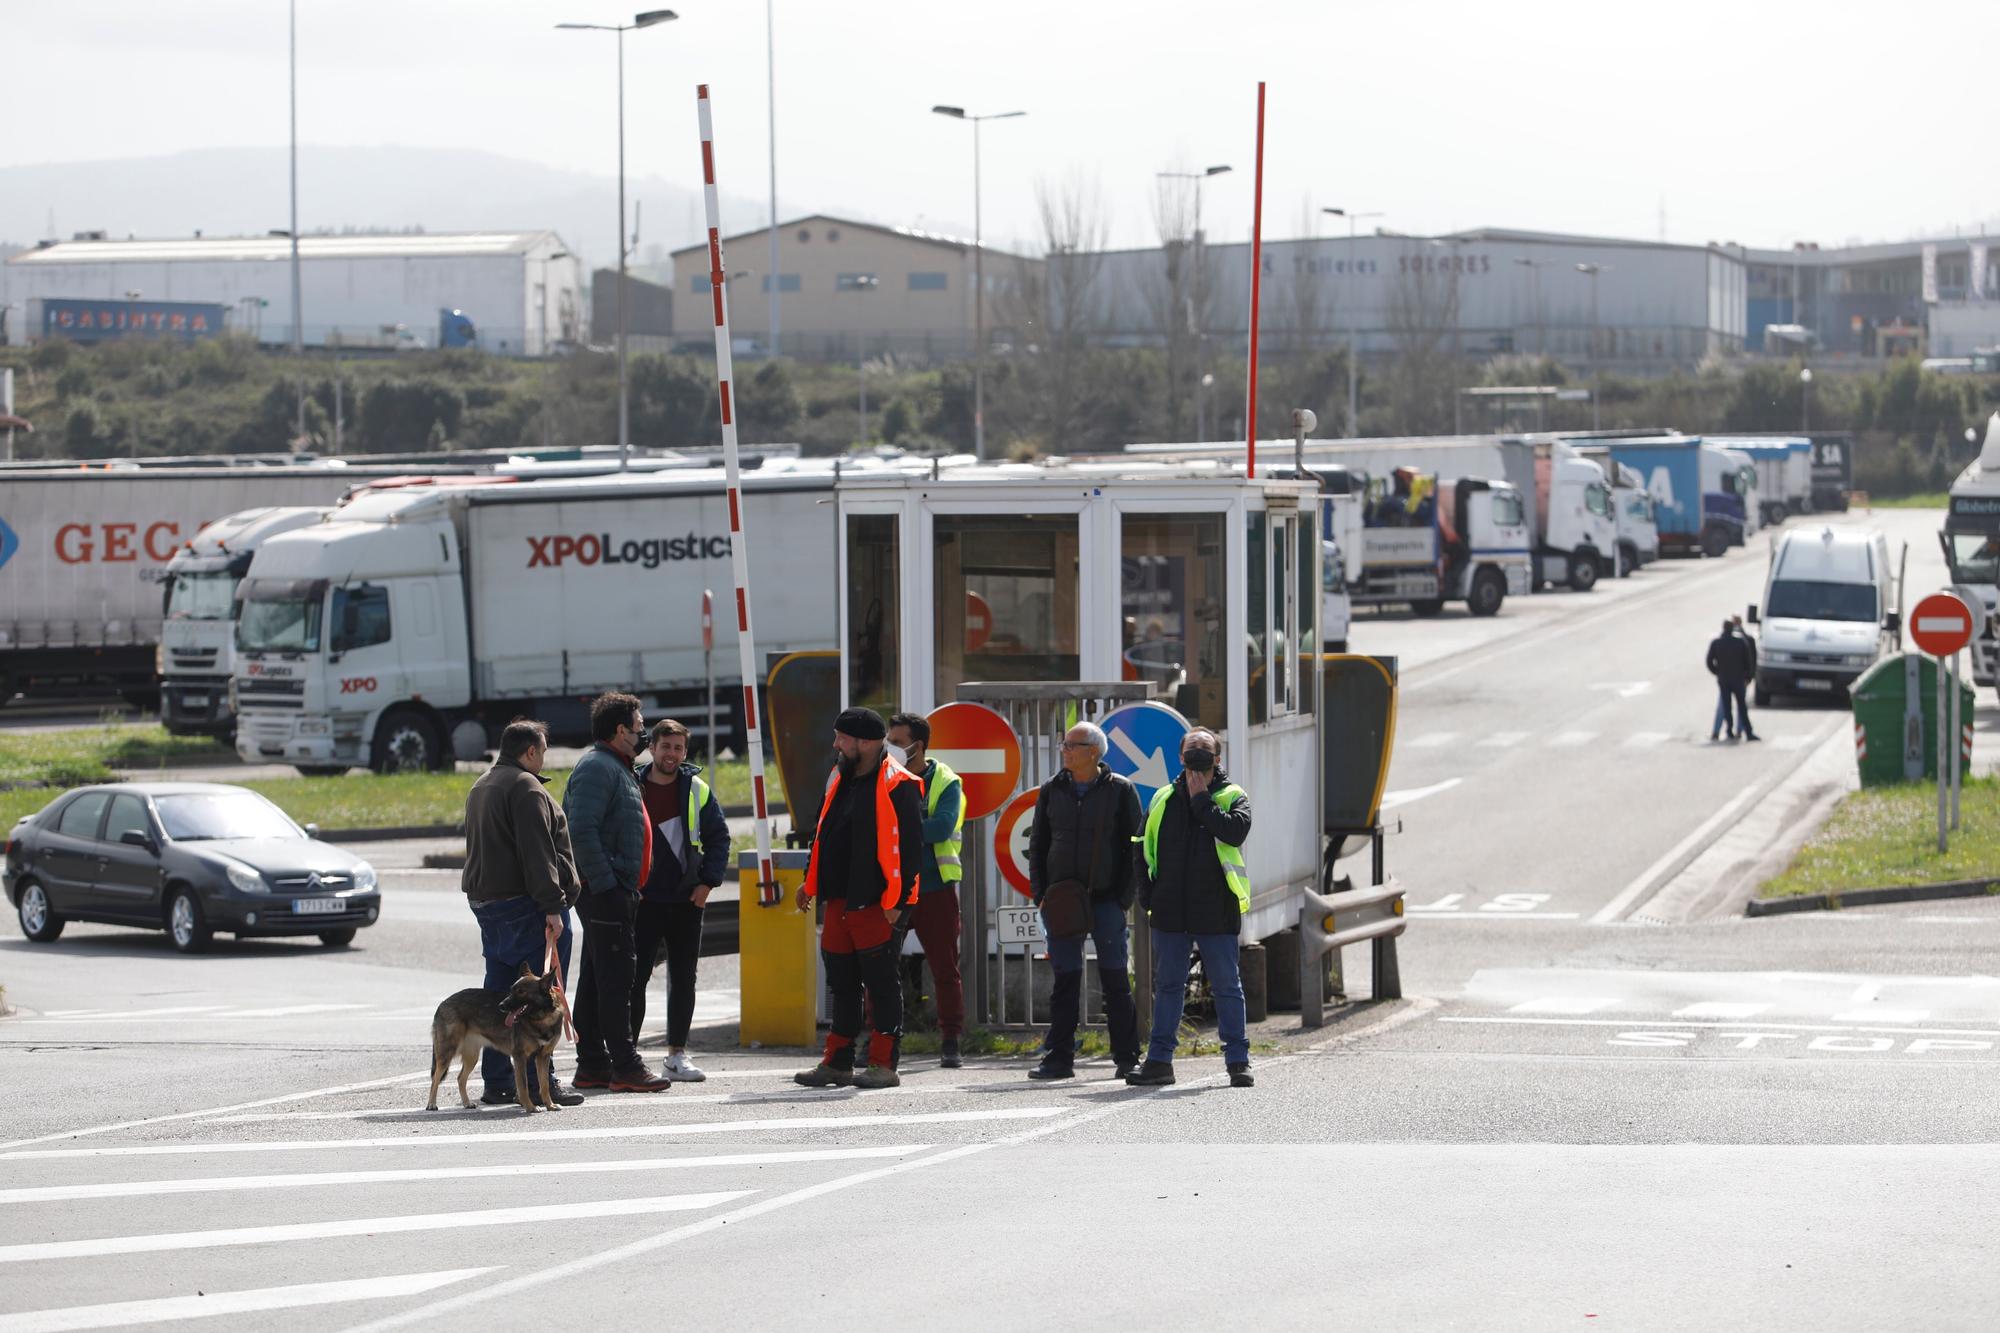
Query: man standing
(1080, 848)
(1746, 648)
(607, 819)
(1726, 663)
(520, 880)
(936, 918)
(690, 856)
(867, 853)
(1197, 890)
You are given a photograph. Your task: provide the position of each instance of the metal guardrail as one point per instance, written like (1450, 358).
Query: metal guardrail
(1329, 923)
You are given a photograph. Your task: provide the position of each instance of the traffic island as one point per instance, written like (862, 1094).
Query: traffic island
(1880, 846)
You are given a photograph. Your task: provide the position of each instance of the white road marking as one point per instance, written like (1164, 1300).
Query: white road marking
(1434, 740)
(1745, 1024)
(1722, 1009)
(1625, 689)
(1883, 1016)
(364, 1086)
(1459, 914)
(1503, 740)
(1619, 905)
(1391, 800)
(287, 1011)
(131, 1013)
(434, 1141)
(1571, 740)
(1792, 742)
(132, 1189)
(1646, 740)
(541, 1214)
(1564, 1004)
(167, 1309)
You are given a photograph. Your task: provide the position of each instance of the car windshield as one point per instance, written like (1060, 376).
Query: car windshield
(212, 816)
(290, 625)
(1806, 599)
(202, 596)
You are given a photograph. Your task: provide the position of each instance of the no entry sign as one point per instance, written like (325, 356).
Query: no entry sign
(1010, 840)
(1942, 624)
(976, 743)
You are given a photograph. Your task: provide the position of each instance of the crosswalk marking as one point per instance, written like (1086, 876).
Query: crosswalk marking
(541, 1214)
(1646, 740)
(167, 1309)
(1435, 740)
(1791, 742)
(1575, 739)
(1721, 1009)
(1563, 1004)
(1571, 740)
(1502, 740)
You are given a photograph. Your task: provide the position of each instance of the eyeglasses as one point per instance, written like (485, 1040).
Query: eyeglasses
(1079, 745)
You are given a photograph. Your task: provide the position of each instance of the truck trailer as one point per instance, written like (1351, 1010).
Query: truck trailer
(1695, 491)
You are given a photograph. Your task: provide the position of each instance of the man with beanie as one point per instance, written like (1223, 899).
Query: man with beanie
(867, 854)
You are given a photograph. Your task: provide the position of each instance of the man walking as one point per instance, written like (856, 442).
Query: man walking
(867, 853)
(1726, 662)
(936, 919)
(1196, 892)
(1080, 870)
(607, 819)
(519, 879)
(690, 856)
(1746, 648)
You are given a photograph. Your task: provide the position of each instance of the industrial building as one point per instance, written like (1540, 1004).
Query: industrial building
(1935, 296)
(520, 289)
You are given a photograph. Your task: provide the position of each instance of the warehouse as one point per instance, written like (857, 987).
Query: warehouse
(519, 289)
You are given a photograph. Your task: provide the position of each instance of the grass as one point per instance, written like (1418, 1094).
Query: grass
(88, 754)
(1886, 837)
(1921, 500)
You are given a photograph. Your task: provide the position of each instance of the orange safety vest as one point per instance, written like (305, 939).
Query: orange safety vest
(888, 832)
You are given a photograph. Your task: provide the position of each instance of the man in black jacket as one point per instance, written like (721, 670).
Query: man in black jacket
(1196, 890)
(1731, 666)
(1085, 820)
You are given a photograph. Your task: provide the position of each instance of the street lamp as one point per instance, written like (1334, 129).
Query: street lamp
(1197, 310)
(645, 20)
(1596, 375)
(978, 278)
(1805, 399)
(298, 318)
(1535, 267)
(548, 426)
(1353, 320)
(1457, 338)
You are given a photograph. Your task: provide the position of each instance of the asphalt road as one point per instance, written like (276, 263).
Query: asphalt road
(1576, 1118)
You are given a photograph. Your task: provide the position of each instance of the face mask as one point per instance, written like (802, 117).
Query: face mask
(900, 755)
(1198, 761)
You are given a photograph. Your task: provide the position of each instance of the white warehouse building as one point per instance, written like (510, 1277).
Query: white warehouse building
(521, 289)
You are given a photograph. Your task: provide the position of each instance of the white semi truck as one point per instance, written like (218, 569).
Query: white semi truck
(1409, 538)
(1971, 539)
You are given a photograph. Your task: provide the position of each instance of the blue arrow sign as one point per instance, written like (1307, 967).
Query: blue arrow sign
(9, 543)
(1146, 745)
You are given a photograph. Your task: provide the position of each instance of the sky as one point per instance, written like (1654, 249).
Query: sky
(1761, 123)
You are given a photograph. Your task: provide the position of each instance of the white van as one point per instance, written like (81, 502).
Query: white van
(1833, 604)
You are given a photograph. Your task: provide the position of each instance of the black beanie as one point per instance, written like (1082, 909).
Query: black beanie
(862, 724)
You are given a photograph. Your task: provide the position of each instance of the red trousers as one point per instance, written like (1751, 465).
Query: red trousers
(937, 928)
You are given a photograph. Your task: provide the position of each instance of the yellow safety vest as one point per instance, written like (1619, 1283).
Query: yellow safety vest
(697, 798)
(1234, 868)
(951, 869)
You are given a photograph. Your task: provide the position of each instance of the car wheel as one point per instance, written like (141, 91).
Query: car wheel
(1628, 560)
(1489, 590)
(39, 921)
(321, 770)
(1583, 569)
(187, 924)
(337, 939)
(405, 742)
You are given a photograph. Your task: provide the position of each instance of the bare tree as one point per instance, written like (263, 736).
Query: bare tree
(1177, 298)
(1307, 309)
(1059, 314)
(1422, 316)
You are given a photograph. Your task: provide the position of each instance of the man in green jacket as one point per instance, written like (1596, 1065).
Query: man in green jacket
(936, 919)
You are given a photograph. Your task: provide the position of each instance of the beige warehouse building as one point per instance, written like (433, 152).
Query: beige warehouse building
(849, 289)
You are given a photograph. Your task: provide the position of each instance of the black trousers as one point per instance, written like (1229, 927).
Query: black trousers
(679, 925)
(602, 1008)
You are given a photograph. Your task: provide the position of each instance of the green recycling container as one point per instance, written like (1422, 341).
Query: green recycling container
(1895, 735)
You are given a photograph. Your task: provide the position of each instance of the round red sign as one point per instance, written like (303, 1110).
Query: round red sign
(1941, 624)
(977, 744)
(1010, 840)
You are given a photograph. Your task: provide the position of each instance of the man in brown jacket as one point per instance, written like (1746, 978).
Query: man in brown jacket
(519, 878)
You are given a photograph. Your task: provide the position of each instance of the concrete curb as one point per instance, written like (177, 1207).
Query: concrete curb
(391, 834)
(1908, 893)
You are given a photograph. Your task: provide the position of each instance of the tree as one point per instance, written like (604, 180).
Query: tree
(1177, 296)
(1421, 317)
(1054, 304)
(407, 416)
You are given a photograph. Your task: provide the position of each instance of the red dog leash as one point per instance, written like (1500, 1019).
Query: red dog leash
(552, 961)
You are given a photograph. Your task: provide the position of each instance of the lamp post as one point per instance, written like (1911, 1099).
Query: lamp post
(1596, 374)
(1805, 400)
(298, 317)
(1535, 267)
(1457, 338)
(1353, 321)
(1196, 308)
(645, 20)
(771, 94)
(978, 277)
(548, 425)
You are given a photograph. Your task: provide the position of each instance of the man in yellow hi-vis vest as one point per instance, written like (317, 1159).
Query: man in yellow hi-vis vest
(1196, 890)
(936, 919)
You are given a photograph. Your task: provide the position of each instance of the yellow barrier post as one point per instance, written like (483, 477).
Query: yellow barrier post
(778, 949)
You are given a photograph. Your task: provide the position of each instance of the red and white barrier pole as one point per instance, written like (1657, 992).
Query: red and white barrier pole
(1256, 277)
(739, 551)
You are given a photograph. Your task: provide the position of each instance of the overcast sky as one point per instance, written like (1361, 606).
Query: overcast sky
(1760, 122)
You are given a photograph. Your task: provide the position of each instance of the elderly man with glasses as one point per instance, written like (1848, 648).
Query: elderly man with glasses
(1081, 859)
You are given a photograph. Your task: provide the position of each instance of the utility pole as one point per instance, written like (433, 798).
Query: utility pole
(978, 278)
(548, 424)
(298, 314)
(1596, 370)
(1197, 308)
(771, 92)
(1353, 323)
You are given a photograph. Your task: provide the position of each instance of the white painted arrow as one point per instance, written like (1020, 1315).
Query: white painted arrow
(1626, 689)
(1150, 770)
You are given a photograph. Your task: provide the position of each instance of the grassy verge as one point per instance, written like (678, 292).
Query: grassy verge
(88, 754)
(1886, 837)
(1921, 500)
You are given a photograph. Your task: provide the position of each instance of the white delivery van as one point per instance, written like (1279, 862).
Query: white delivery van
(1833, 604)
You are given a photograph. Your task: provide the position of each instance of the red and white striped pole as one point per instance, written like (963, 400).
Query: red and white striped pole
(739, 551)
(1256, 282)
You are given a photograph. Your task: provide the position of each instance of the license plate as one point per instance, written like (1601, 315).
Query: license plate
(314, 906)
(1815, 684)
(195, 700)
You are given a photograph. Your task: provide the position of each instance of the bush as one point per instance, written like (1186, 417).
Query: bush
(408, 416)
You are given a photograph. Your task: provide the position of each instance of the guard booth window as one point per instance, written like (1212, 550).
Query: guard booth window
(360, 617)
(1006, 599)
(874, 677)
(1172, 599)
(1282, 619)
(1258, 618)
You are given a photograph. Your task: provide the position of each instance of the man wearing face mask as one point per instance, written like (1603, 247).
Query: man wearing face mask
(867, 855)
(1196, 890)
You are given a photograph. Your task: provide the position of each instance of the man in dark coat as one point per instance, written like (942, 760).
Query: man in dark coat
(1085, 820)
(1730, 666)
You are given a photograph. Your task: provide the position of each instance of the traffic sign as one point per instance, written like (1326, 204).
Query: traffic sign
(978, 622)
(978, 745)
(1146, 745)
(1010, 840)
(1942, 624)
(1018, 925)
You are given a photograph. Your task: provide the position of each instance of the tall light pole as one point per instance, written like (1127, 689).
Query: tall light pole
(298, 317)
(1535, 267)
(1596, 373)
(1197, 308)
(771, 94)
(548, 426)
(1353, 322)
(1805, 400)
(978, 278)
(645, 20)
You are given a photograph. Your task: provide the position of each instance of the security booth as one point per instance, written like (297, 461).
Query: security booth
(1062, 592)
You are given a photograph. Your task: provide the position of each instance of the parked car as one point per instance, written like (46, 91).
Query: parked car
(189, 858)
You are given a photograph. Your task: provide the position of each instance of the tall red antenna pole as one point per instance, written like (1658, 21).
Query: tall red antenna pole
(1256, 275)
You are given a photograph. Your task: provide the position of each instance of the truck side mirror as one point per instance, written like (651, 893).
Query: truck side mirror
(1893, 623)
(1752, 617)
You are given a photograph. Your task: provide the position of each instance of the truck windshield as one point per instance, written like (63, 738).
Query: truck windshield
(1975, 557)
(1809, 599)
(290, 625)
(202, 596)
(1507, 511)
(218, 816)
(1597, 500)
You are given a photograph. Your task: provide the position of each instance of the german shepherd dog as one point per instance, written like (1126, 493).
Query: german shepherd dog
(525, 1024)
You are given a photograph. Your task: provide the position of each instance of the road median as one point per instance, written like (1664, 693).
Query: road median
(1880, 846)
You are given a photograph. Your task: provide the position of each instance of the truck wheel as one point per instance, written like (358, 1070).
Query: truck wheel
(1428, 606)
(1583, 569)
(1714, 543)
(405, 742)
(1628, 559)
(1776, 514)
(1489, 589)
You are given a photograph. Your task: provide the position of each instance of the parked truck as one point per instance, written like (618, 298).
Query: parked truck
(1971, 539)
(1832, 471)
(1638, 533)
(1783, 466)
(1409, 538)
(1696, 492)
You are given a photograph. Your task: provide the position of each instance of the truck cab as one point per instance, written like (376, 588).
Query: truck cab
(1579, 539)
(1833, 604)
(1638, 532)
(1406, 537)
(1971, 541)
(1727, 483)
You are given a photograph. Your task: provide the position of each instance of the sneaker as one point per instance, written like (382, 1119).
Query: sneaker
(1241, 1077)
(1152, 1074)
(1752, 736)
(948, 1057)
(501, 1097)
(824, 1076)
(638, 1079)
(1048, 1071)
(591, 1076)
(877, 1076)
(680, 1069)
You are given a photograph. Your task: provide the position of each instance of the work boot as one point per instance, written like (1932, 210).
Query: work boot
(1124, 1066)
(1152, 1074)
(948, 1056)
(824, 1076)
(591, 1076)
(638, 1079)
(1240, 1075)
(500, 1097)
(877, 1076)
(1051, 1069)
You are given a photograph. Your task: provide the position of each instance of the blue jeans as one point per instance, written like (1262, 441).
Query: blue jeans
(512, 931)
(1121, 1017)
(1172, 951)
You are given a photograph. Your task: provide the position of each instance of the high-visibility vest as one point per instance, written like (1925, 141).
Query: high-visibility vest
(697, 801)
(1234, 868)
(888, 833)
(951, 869)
